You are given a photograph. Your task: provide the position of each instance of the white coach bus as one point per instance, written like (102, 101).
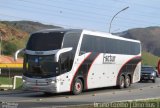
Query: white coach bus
(73, 60)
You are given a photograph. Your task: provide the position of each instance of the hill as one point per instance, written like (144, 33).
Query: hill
(12, 38)
(29, 26)
(149, 38)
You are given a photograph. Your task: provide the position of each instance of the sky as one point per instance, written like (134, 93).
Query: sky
(86, 14)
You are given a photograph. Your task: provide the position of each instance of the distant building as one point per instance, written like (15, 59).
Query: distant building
(8, 62)
(9, 66)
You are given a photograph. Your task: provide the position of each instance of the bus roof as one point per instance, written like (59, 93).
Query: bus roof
(108, 35)
(89, 32)
(58, 30)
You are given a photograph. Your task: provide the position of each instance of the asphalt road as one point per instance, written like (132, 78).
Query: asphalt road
(24, 99)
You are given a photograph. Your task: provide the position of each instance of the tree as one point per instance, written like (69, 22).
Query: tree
(9, 48)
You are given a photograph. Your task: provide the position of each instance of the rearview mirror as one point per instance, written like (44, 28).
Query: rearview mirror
(17, 52)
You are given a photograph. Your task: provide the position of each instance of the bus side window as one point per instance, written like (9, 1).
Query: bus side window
(87, 45)
(83, 47)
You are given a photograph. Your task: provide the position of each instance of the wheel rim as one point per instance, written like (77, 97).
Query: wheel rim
(127, 82)
(122, 82)
(78, 87)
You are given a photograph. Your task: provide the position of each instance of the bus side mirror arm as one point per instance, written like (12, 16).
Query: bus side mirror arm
(17, 52)
(63, 50)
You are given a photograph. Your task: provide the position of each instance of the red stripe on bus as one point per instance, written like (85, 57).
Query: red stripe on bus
(89, 71)
(125, 64)
(77, 71)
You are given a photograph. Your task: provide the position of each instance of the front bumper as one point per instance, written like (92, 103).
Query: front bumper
(147, 77)
(40, 88)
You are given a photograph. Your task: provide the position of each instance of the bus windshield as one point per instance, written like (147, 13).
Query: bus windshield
(40, 66)
(45, 41)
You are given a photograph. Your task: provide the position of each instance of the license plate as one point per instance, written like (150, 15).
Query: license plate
(35, 88)
(145, 77)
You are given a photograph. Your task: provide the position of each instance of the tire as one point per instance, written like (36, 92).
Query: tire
(121, 82)
(154, 80)
(140, 80)
(77, 87)
(127, 82)
(48, 93)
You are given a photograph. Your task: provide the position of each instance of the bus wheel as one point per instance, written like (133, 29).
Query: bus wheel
(127, 82)
(48, 93)
(77, 87)
(121, 82)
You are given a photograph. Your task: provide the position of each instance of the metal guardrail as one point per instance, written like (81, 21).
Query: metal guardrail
(6, 87)
(11, 69)
(10, 72)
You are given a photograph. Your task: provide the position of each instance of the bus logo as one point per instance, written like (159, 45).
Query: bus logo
(39, 52)
(36, 60)
(109, 59)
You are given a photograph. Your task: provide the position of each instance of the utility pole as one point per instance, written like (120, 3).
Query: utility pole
(115, 16)
(0, 44)
(0, 49)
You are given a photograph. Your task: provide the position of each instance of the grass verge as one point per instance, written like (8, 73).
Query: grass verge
(9, 81)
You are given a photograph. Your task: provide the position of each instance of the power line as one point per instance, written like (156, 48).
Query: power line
(82, 17)
(69, 17)
(92, 13)
(61, 25)
(147, 6)
(54, 14)
(101, 6)
(57, 24)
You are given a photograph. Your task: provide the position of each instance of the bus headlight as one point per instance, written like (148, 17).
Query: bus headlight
(53, 82)
(57, 69)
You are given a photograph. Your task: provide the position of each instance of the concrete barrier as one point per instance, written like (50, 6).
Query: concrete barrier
(14, 81)
(5, 87)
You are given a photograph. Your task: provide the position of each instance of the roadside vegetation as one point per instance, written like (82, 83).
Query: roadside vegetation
(149, 59)
(9, 81)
